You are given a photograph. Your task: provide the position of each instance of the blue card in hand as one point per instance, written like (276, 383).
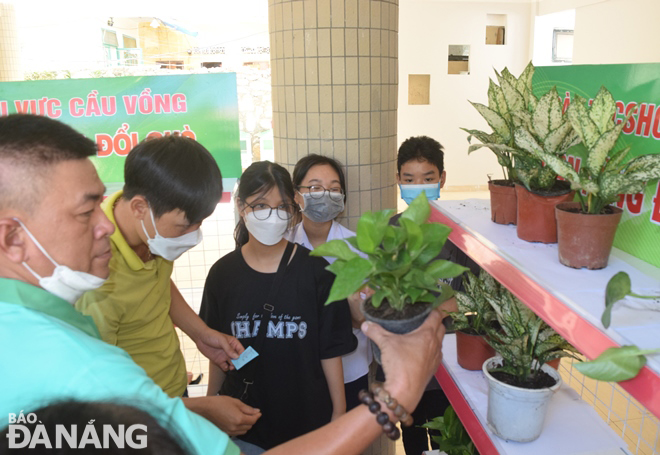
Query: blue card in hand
(244, 358)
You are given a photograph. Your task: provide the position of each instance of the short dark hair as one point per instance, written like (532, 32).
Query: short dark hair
(421, 148)
(304, 164)
(33, 143)
(260, 178)
(160, 440)
(174, 172)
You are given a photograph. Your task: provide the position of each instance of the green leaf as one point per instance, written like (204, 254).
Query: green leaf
(349, 279)
(616, 364)
(495, 120)
(418, 211)
(644, 168)
(555, 141)
(611, 185)
(616, 159)
(335, 248)
(548, 114)
(585, 127)
(378, 297)
(617, 288)
(415, 236)
(442, 269)
(601, 149)
(484, 137)
(526, 141)
(496, 100)
(435, 235)
(524, 83)
(560, 166)
(371, 229)
(514, 99)
(602, 110)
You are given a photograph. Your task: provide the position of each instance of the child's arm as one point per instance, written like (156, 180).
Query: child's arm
(334, 376)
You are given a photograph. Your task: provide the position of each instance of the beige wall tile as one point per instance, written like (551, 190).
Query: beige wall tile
(283, 125)
(280, 44)
(314, 146)
(324, 42)
(339, 98)
(351, 12)
(337, 36)
(376, 15)
(312, 98)
(375, 178)
(325, 71)
(365, 98)
(301, 98)
(385, 70)
(298, 43)
(394, 17)
(375, 70)
(338, 70)
(352, 98)
(365, 177)
(352, 125)
(309, 7)
(385, 43)
(290, 125)
(365, 150)
(339, 152)
(312, 71)
(353, 199)
(351, 41)
(339, 126)
(352, 149)
(299, 71)
(311, 47)
(302, 147)
(327, 147)
(352, 70)
(287, 43)
(375, 124)
(313, 126)
(323, 16)
(288, 71)
(325, 98)
(376, 149)
(287, 16)
(326, 126)
(281, 94)
(337, 7)
(364, 13)
(298, 15)
(385, 16)
(365, 198)
(363, 42)
(301, 126)
(278, 17)
(374, 37)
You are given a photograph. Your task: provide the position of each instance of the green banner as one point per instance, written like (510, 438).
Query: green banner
(633, 87)
(118, 113)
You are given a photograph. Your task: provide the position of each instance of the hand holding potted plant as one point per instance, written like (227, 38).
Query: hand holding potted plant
(520, 383)
(399, 266)
(586, 228)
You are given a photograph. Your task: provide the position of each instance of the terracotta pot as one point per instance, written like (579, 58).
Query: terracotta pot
(472, 350)
(503, 205)
(536, 215)
(554, 363)
(585, 240)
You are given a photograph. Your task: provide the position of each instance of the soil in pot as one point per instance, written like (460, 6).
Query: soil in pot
(399, 322)
(585, 240)
(536, 212)
(540, 381)
(472, 350)
(503, 202)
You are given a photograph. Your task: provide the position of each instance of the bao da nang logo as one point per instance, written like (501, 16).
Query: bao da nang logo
(27, 432)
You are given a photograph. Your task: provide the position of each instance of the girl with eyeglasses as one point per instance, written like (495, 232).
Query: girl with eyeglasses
(296, 381)
(321, 193)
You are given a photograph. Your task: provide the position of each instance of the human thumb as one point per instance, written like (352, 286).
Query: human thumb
(374, 331)
(246, 409)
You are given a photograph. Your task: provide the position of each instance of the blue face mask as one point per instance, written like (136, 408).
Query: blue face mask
(410, 192)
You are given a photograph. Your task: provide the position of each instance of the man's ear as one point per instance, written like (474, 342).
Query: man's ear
(443, 177)
(398, 178)
(139, 207)
(13, 240)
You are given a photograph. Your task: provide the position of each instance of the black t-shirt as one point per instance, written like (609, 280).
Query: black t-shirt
(289, 384)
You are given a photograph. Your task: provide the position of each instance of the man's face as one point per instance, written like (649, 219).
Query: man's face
(69, 222)
(420, 172)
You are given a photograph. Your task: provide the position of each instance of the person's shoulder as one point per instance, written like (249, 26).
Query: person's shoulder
(306, 261)
(230, 261)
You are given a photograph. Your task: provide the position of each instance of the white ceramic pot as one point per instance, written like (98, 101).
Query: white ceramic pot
(514, 413)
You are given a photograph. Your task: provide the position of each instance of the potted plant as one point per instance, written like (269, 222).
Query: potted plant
(471, 321)
(502, 99)
(453, 439)
(399, 265)
(586, 228)
(520, 383)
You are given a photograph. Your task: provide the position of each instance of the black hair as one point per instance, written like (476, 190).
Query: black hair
(306, 163)
(260, 178)
(158, 440)
(29, 146)
(174, 172)
(421, 148)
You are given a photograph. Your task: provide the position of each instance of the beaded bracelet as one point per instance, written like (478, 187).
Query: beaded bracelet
(383, 395)
(389, 428)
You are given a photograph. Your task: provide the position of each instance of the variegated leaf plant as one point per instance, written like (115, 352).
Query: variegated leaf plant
(605, 173)
(511, 96)
(524, 341)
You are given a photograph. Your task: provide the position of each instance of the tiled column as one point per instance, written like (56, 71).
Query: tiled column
(335, 77)
(10, 66)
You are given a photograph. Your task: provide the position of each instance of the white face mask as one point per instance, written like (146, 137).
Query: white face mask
(65, 283)
(268, 231)
(171, 248)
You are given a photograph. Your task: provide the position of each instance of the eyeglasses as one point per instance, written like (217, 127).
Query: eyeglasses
(317, 192)
(263, 211)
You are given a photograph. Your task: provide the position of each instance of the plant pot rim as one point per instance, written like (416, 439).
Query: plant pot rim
(548, 193)
(502, 183)
(564, 206)
(363, 306)
(545, 367)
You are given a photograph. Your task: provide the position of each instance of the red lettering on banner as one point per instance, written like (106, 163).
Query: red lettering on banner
(655, 211)
(179, 103)
(644, 119)
(26, 106)
(4, 108)
(630, 125)
(162, 104)
(104, 143)
(53, 108)
(567, 102)
(76, 107)
(130, 102)
(620, 107)
(109, 105)
(656, 124)
(635, 203)
(621, 201)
